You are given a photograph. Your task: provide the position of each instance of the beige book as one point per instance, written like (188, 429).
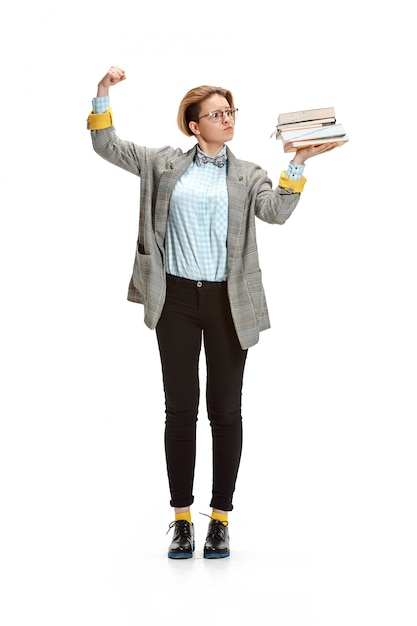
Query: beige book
(307, 115)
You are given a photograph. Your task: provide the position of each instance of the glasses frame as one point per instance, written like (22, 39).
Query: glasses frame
(230, 114)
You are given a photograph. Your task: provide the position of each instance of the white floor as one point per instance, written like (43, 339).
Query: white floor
(317, 538)
(93, 568)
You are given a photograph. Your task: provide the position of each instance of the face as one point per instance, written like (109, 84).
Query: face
(208, 132)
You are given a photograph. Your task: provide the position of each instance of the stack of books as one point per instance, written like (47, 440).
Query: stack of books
(309, 128)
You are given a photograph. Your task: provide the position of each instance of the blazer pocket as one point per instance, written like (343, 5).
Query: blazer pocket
(256, 292)
(142, 272)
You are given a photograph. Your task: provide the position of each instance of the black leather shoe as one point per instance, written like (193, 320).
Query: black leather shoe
(217, 541)
(182, 545)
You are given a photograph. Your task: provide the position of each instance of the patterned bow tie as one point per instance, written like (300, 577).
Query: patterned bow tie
(218, 160)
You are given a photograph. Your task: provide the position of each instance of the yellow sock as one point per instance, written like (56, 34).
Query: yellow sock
(185, 515)
(222, 517)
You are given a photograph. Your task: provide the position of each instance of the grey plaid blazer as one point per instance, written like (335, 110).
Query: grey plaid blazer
(250, 194)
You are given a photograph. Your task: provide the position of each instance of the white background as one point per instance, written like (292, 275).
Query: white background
(323, 530)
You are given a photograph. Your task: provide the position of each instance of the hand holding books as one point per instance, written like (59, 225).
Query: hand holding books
(302, 154)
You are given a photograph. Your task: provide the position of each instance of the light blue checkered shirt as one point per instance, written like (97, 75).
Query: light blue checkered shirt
(100, 104)
(196, 236)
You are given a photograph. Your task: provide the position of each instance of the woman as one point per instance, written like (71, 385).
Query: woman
(196, 272)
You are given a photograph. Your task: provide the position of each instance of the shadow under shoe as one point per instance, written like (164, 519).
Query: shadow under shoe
(183, 544)
(217, 541)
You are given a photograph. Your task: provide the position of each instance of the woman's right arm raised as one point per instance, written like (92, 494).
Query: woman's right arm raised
(114, 75)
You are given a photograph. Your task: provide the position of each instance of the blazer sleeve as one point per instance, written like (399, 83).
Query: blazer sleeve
(274, 206)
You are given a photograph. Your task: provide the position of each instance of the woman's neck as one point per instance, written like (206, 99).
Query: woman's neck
(211, 149)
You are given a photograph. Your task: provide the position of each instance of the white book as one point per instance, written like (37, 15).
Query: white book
(293, 146)
(333, 130)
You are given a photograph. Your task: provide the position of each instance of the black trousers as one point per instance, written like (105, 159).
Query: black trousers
(195, 312)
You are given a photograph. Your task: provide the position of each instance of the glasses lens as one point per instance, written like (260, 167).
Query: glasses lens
(217, 116)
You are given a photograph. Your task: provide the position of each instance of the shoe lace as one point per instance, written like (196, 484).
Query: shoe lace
(182, 526)
(216, 527)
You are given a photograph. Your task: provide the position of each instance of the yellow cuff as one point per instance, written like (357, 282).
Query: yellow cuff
(98, 121)
(294, 185)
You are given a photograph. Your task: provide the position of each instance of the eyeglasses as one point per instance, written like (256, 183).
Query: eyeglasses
(217, 116)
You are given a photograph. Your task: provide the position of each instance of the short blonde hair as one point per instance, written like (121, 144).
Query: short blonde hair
(190, 106)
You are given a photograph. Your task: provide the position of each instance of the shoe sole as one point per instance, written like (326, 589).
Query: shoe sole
(216, 555)
(183, 555)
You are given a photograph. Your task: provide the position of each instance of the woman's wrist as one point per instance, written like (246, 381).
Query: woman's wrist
(102, 90)
(298, 160)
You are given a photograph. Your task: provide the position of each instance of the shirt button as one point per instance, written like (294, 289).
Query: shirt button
(199, 284)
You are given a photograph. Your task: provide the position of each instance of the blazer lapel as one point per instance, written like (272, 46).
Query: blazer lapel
(174, 169)
(236, 189)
